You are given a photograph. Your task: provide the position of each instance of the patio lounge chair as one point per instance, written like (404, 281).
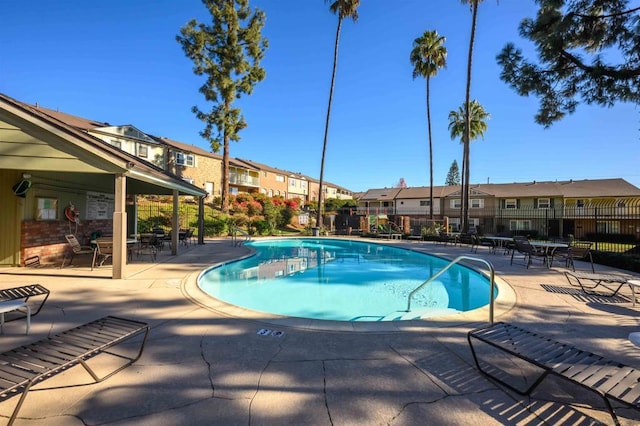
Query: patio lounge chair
(76, 249)
(25, 293)
(611, 380)
(25, 366)
(588, 282)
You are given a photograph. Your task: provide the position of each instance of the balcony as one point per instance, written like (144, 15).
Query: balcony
(245, 180)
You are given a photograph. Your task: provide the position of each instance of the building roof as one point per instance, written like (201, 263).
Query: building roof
(587, 188)
(186, 147)
(63, 147)
(380, 194)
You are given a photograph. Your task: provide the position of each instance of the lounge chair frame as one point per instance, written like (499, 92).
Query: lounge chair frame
(588, 282)
(25, 293)
(25, 366)
(610, 380)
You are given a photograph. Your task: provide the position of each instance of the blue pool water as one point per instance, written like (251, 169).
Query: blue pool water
(343, 280)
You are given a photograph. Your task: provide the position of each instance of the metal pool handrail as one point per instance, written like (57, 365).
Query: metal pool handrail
(453, 262)
(234, 236)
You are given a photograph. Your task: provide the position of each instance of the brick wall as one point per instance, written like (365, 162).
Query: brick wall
(45, 238)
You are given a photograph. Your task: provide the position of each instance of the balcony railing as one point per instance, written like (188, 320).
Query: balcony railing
(244, 180)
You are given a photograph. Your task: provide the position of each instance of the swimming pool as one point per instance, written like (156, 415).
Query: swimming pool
(343, 280)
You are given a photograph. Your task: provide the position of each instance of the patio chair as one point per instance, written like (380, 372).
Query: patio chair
(76, 249)
(578, 250)
(478, 241)
(148, 246)
(102, 252)
(523, 247)
(183, 236)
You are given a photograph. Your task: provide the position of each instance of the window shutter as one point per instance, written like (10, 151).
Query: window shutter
(518, 203)
(551, 203)
(535, 203)
(502, 204)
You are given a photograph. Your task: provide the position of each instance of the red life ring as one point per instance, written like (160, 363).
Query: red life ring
(72, 214)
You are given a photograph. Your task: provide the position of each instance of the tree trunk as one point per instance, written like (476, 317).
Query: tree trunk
(467, 121)
(430, 151)
(225, 169)
(326, 125)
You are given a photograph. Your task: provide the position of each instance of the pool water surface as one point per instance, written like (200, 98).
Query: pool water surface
(344, 280)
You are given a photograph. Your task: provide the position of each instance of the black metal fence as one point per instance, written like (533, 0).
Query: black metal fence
(615, 229)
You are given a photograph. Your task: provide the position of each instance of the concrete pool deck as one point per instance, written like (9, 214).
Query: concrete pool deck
(207, 363)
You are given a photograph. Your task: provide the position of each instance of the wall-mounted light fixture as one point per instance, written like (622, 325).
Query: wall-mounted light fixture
(26, 176)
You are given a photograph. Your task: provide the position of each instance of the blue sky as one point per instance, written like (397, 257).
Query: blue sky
(118, 62)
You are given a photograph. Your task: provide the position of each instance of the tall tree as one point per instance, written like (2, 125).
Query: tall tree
(453, 176)
(467, 136)
(428, 56)
(587, 50)
(344, 9)
(228, 52)
(458, 128)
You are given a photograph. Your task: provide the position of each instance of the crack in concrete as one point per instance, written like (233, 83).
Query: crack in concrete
(324, 391)
(267, 364)
(204, 358)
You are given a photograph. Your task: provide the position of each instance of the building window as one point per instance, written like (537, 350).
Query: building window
(476, 203)
(188, 180)
(519, 225)
(579, 204)
(116, 143)
(292, 183)
(143, 151)
(279, 178)
(608, 227)
(456, 203)
(46, 209)
(183, 159)
(544, 203)
(233, 190)
(510, 203)
(425, 203)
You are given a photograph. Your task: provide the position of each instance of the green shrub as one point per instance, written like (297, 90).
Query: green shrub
(629, 262)
(214, 227)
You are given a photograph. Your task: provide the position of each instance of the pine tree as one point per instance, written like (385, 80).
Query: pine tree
(228, 52)
(453, 177)
(587, 52)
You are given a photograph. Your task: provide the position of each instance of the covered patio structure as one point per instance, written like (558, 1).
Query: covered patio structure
(57, 180)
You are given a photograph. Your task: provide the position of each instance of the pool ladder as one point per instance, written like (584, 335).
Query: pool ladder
(234, 236)
(454, 262)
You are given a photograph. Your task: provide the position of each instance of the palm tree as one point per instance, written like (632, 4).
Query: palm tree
(467, 136)
(477, 117)
(344, 9)
(428, 56)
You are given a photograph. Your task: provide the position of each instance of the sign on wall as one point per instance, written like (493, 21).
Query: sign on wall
(100, 205)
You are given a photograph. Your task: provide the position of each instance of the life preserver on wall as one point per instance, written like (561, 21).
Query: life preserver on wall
(72, 214)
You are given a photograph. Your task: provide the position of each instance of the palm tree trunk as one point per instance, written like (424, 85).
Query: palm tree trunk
(467, 121)
(464, 168)
(430, 152)
(326, 125)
